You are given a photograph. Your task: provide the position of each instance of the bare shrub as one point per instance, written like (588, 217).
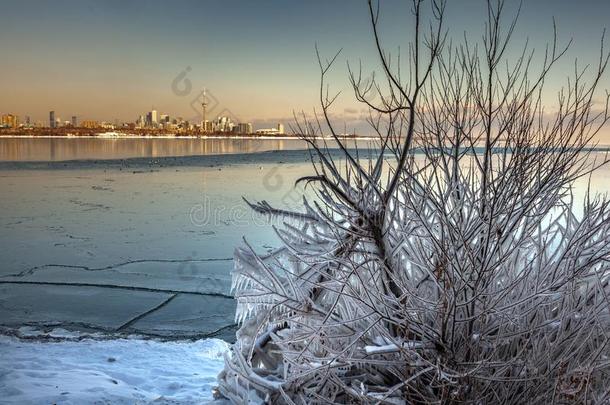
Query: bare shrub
(451, 264)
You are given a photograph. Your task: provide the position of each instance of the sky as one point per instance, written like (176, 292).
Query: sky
(116, 59)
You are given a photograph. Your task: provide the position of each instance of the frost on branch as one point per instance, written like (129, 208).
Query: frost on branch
(450, 263)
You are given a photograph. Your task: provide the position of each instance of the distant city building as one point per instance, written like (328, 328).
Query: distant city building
(207, 126)
(278, 130)
(244, 128)
(152, 119)
(74, 122)
(90, 124)
(266, 131)
(10, 121)
(27, 120)
(223, 124)
(165, 122)
(52, 119)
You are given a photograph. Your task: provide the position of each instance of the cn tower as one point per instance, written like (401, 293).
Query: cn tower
(204, 104)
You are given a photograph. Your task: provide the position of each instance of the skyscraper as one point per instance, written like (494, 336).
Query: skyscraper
(244, 128)
(51, 119)
(74, 123)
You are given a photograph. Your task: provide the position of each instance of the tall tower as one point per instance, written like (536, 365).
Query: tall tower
(51, 119)
(154, 116)
(204, 104)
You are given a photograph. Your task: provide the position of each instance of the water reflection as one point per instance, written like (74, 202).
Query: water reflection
(56, 149)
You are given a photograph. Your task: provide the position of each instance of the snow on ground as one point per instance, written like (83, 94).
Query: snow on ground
(118, 371)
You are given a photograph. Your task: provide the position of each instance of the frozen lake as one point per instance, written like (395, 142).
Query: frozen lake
(133, 246)
(139, 241)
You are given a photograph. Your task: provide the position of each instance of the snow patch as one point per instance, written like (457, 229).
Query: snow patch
(119, 371)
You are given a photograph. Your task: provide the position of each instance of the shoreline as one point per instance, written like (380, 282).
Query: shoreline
(285, 156)
(178, 137)
(152, 163)
(592, 147)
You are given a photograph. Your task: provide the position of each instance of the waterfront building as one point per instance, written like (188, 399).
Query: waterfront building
(223, 124)
(152, 119)
(52, 119)
(90, 124)
(7, 120)
(278, 130)
(267, 131)
(207, 126)
(10, 121)
(244, 128)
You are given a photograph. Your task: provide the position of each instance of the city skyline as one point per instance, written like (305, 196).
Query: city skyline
(110, 61)
(151, 120)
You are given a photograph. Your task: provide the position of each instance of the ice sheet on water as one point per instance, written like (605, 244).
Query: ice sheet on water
(101, 309)
(190, 315)
(111, 311)
(199, 276)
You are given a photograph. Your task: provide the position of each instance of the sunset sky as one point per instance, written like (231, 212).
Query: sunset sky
(114, 59)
